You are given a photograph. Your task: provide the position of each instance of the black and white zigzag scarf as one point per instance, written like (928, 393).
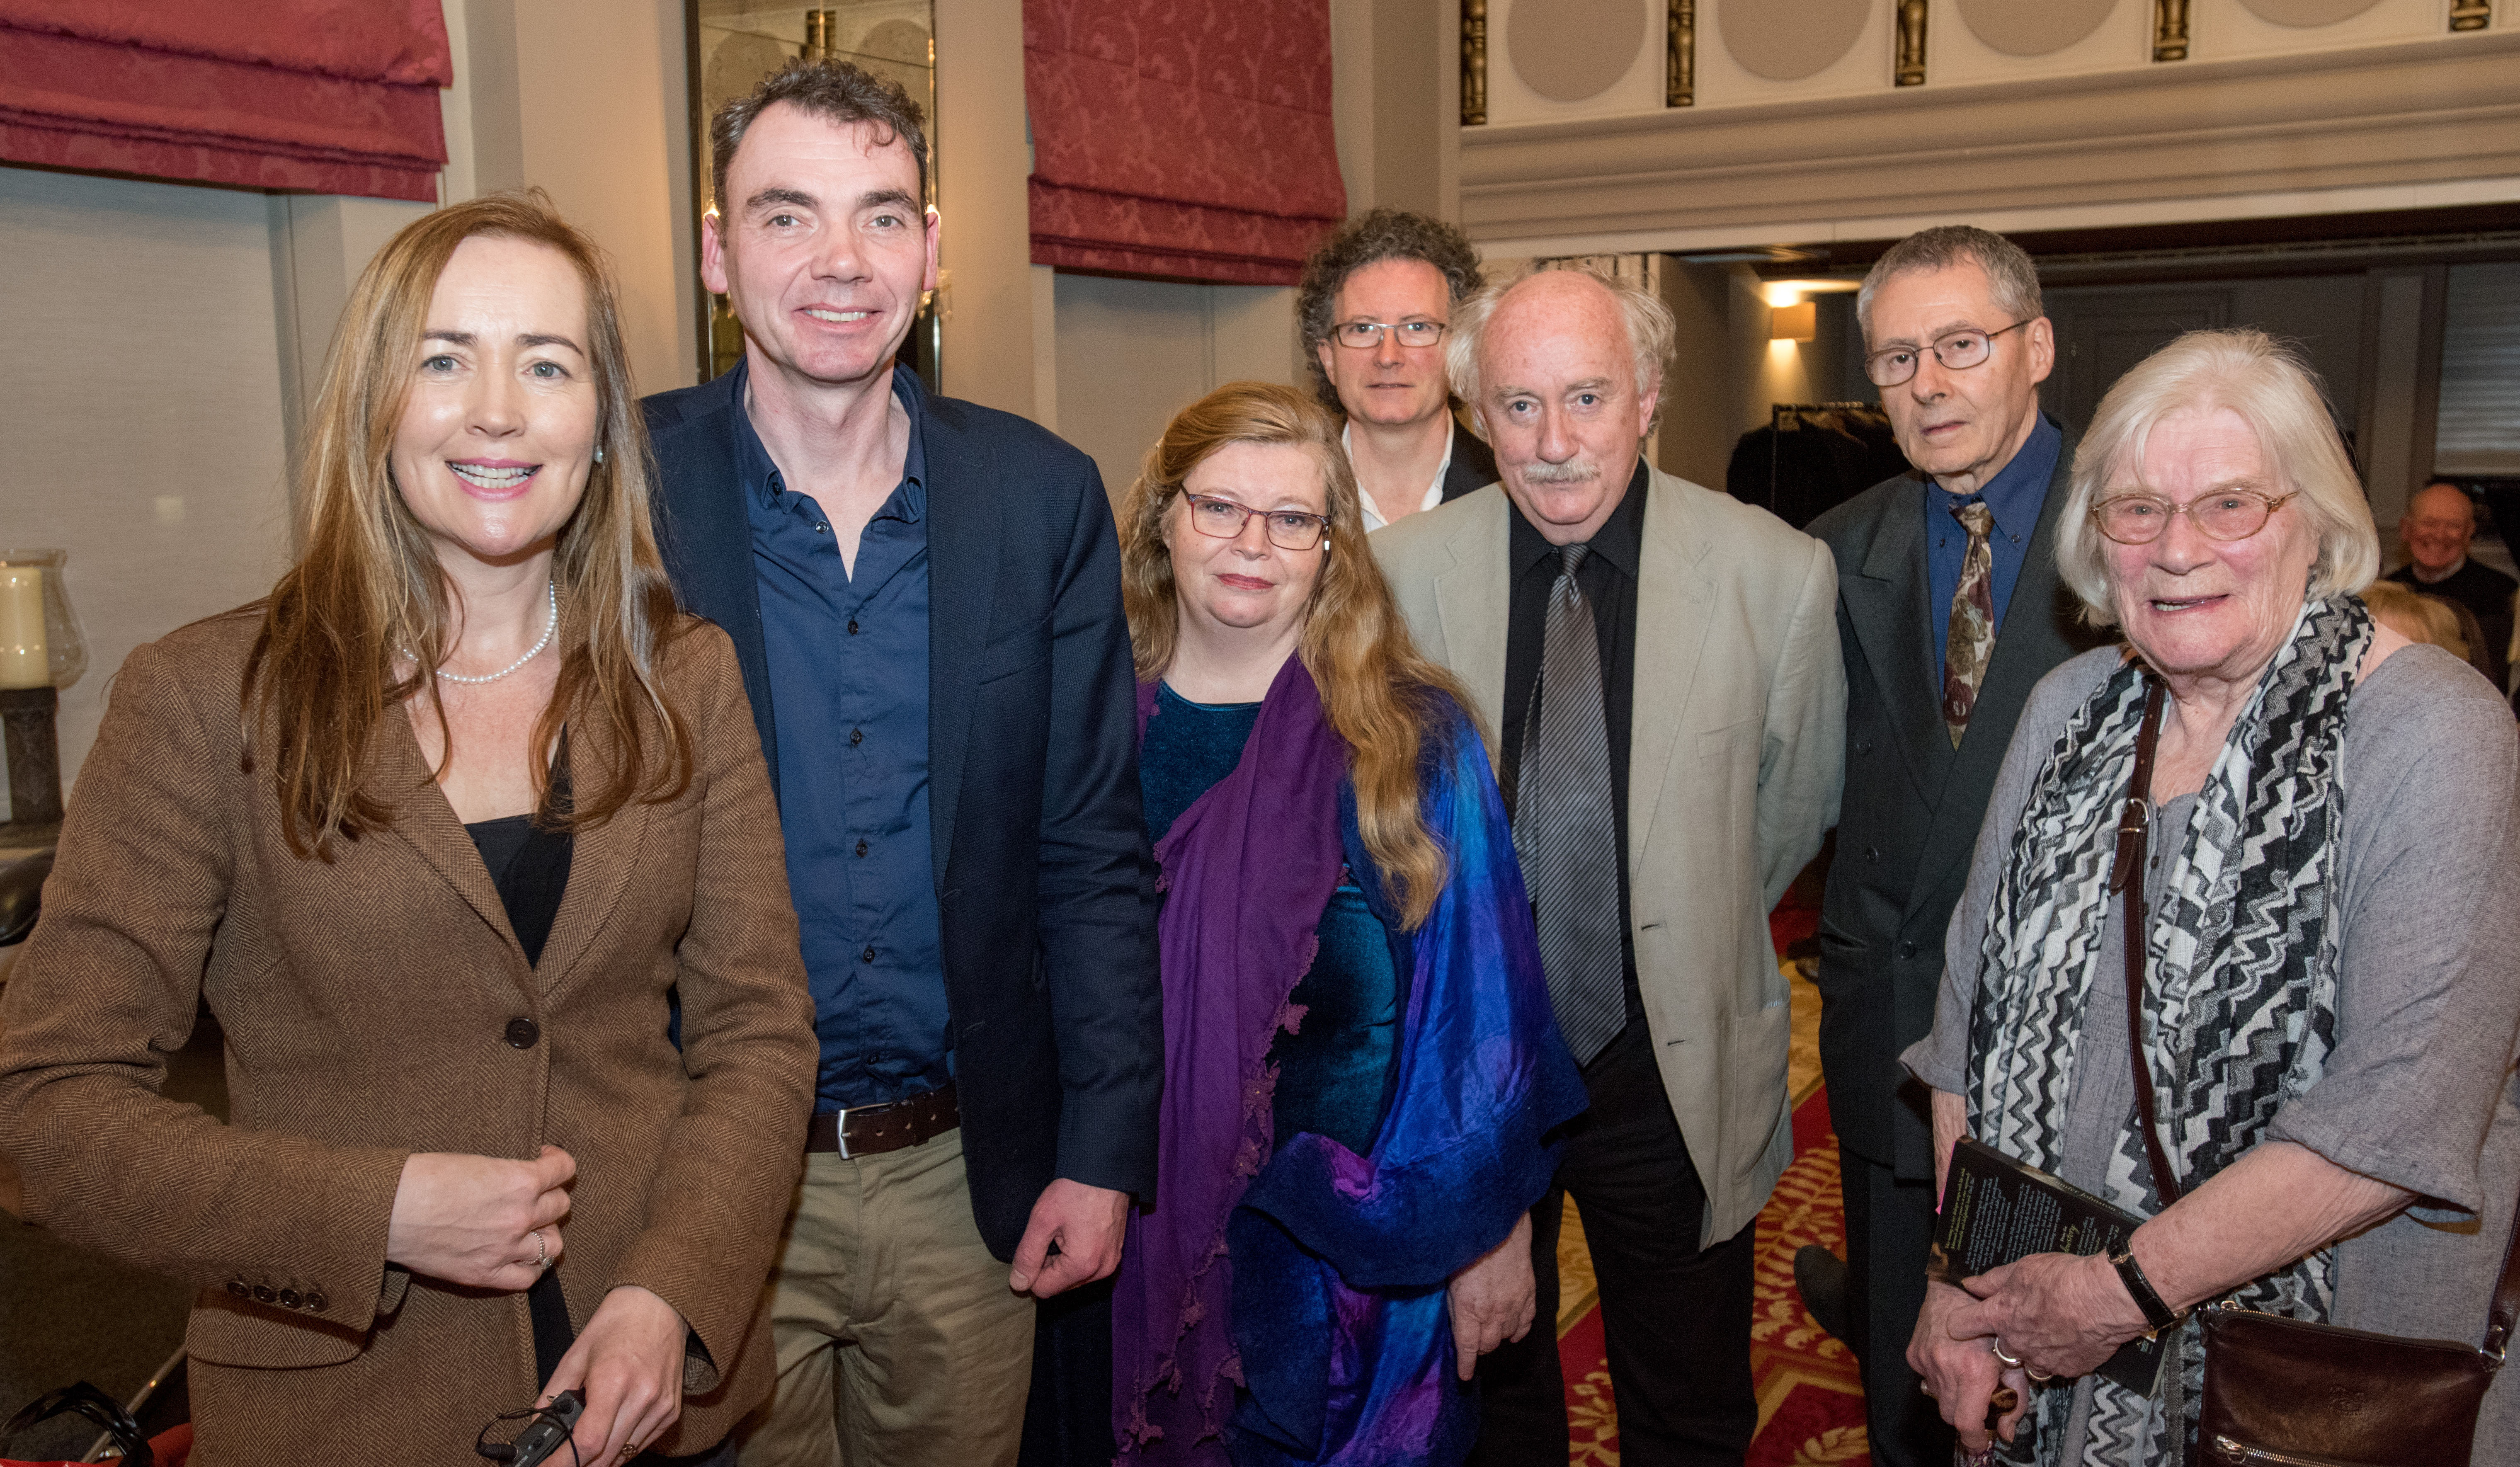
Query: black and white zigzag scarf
(2241, 982)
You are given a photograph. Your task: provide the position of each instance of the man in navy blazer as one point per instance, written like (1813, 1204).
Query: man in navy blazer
(924, 595)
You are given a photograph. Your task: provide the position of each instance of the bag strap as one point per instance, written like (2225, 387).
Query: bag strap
(2126, 876)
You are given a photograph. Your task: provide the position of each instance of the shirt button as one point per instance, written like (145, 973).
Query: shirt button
(862, 848)
(856, 736)
(853, 626)
(822, 529)
(868, 956)
(522, 1032)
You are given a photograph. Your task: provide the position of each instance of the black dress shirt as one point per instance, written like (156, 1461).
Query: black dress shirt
(1609, 578)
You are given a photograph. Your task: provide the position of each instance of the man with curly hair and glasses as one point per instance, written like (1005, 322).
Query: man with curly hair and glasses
(1376, 302)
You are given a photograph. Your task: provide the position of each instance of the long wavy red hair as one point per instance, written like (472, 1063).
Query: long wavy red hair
(1376, 686)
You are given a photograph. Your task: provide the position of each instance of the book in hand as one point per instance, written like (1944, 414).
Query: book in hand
(1997, 1209)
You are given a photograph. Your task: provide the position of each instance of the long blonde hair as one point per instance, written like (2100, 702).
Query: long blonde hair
(1378, 689)
(320, 678)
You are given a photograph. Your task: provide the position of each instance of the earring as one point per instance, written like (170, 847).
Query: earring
(599, 453)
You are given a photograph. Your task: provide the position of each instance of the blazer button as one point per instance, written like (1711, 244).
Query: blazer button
(1862, 747)
(522, 1032)
(289, 1298)
(318, 1301)
(263, 1294)
(1873, 853)
(239, 1288)
(1907, 950)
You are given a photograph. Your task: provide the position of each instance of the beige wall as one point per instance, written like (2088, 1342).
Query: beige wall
(1132, 352)
(144, 429)
(986, 245)
(595, 93)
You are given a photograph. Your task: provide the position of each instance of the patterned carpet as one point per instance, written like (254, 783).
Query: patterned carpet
(1811, 1404)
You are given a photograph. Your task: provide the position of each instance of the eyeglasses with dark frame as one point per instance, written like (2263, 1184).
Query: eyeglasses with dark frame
(1958, 351)
(2226, 514)
(1364, 333)
(1287, 529)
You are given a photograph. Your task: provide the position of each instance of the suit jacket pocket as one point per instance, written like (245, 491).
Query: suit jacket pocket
(1755, 1090)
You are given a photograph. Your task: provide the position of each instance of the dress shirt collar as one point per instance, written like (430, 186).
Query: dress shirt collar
(766, 488)
(1620, 541)
(2019, 488)
(1433, 496)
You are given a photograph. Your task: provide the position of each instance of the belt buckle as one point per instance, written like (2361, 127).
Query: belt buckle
(840, 1130)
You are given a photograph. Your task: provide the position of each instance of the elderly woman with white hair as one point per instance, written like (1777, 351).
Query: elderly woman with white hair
(2327, 1001)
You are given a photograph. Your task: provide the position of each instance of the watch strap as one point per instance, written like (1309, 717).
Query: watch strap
(2156, 1315)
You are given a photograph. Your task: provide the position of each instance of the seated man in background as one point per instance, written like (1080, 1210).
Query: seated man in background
(2440, 524)
(1376, 302)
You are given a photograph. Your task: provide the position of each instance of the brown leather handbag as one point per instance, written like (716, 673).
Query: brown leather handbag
(2289, 1393)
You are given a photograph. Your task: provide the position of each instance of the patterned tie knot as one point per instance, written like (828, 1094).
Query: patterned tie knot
(1571, 557)
(1974, 516)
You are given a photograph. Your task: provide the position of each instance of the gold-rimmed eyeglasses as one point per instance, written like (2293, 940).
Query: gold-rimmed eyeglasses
(2223, 515)
(1958, 351)
(1287, 529)
(1364, 333)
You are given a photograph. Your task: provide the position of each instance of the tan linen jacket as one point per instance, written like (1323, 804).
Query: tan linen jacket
(1738, 745)
(377, 1004)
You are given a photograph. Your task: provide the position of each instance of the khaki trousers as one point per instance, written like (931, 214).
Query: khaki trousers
(899, 1343)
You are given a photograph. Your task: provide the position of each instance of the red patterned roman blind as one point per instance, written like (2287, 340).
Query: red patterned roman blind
(314, 96)
(1180, 138)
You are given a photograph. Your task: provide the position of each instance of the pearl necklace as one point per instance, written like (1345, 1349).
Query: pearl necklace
(551, 598)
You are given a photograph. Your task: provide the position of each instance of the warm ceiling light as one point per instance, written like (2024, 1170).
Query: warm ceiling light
(1793, 323)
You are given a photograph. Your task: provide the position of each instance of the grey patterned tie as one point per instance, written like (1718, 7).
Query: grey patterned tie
(1565, 830)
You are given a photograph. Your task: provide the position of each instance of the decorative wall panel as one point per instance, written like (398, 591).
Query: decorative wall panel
(1574, 50)
(1787, 40)
(2041, 28)
(2307, 13)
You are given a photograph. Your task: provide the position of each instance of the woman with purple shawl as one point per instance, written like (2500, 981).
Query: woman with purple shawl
(1360, 1064)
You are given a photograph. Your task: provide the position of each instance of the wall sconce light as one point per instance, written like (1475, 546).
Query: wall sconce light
(1799, 322)
(40, 650)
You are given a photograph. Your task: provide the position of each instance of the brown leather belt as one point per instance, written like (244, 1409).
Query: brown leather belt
(870, 1129)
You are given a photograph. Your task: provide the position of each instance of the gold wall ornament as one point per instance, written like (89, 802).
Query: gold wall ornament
(1474, 63)
(2470, 14)
(1680, 54)
(820, 42)
(2168, 31)
(1912, 43)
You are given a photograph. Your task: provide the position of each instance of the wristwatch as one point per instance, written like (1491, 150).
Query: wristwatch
(2157, 1315)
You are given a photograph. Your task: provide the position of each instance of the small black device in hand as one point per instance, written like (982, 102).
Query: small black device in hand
(542, 1436)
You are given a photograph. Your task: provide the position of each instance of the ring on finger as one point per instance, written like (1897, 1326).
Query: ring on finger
(2008, 1360)
(542, 1252)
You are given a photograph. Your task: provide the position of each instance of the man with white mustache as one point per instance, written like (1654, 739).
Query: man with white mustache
(1660, 664)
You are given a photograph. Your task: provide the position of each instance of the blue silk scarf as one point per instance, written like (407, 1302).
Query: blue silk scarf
(1316, 1277)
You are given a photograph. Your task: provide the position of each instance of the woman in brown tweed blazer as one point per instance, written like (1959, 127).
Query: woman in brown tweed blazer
(441, 904)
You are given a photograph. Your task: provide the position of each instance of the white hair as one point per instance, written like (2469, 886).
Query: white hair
(2274, 391)
(1650, 330)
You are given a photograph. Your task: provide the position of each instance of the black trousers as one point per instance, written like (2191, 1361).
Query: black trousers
(1677, 1317)
(1889, 1226)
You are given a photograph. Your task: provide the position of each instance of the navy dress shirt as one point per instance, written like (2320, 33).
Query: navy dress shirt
(848, 654)
(2015, 494)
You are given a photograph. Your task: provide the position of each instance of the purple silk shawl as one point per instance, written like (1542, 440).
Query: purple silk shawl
(1247, 870)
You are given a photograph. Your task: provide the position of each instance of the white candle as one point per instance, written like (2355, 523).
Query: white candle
(23, 663)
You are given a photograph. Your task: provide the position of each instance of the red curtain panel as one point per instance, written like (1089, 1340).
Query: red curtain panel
(311, 96)
(1180, 138)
